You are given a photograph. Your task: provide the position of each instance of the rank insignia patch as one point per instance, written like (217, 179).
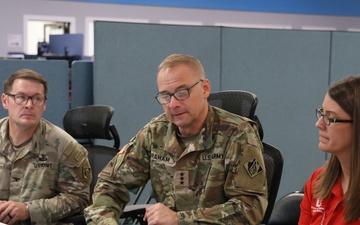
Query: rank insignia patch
(182, 178)
(253, 167)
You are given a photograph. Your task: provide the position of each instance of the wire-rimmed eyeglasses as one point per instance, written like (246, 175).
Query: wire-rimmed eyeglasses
(21, 99)
(327, 119)
(179, 95)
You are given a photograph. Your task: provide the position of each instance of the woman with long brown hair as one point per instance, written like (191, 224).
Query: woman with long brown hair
(332, 192)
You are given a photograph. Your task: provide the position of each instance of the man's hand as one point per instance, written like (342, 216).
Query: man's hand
(11, 212)
(159, 214)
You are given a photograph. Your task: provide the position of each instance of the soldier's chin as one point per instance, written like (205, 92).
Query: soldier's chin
(28, 121)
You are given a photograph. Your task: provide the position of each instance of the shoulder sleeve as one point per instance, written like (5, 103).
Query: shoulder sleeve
(72, 187)
(305, 205)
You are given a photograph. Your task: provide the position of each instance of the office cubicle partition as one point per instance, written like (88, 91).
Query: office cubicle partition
(82, 85)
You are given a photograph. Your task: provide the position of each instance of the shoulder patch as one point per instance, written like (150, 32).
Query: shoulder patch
(253, 167)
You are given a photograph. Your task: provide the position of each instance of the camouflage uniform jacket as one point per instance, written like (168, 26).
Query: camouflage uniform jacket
(219, 178)
(51, 173)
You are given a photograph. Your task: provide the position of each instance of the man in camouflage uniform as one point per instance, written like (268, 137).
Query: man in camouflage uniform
(205, 164)
(45, 174)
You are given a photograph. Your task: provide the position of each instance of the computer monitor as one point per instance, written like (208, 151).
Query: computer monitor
(66, 44)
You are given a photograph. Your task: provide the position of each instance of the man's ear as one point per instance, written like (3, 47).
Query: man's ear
(206, 88)
(4, 101)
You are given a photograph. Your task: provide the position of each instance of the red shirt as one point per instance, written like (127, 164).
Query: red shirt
(328, 211)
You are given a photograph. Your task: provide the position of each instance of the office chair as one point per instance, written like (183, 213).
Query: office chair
(86, 123)
(287, 209)
(89, 124)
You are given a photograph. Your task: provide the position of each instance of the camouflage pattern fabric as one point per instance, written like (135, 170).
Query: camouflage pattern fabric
(51, 173)
(219, 178)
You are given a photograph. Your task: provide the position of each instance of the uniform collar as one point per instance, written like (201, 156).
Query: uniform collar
(35, 143)
(203, 141)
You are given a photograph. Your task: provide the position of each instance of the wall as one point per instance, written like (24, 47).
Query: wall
(12, 13)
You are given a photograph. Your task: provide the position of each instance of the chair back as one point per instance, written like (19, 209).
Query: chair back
(239, 102)
(287, 209)
(274, 166)
(236, 101)
(90, 122)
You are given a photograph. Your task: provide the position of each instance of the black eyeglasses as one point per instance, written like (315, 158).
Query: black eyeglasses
(20, 99)
(179, 95)
(328, 120)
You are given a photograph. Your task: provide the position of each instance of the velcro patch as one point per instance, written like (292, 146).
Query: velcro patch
(182, 178)
(253, 167)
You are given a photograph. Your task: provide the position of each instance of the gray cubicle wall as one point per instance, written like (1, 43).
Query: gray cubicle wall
(82, 83)
(56, 72)
(345, 55)
(289, 70)
(125, 66)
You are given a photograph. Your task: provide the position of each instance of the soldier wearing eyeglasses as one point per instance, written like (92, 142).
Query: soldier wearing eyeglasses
(205, 164)
(331, 194)
(45, 174)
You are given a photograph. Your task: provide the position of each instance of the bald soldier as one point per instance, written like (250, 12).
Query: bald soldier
(45, 174)
(205, 164)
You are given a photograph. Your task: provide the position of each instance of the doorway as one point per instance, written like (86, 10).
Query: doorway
(39, 28)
